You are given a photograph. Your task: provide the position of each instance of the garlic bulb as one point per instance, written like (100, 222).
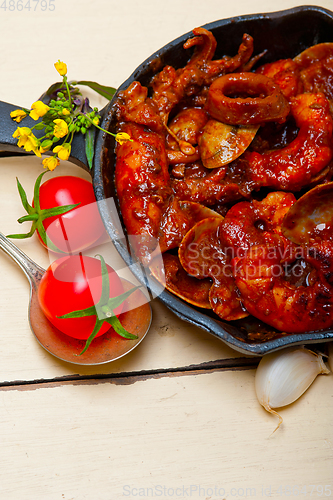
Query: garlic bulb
(283, 376)
(330, 355)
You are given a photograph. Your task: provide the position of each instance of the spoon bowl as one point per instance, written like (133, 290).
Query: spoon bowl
(104, 349)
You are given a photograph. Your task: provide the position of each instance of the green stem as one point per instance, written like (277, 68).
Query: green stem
(68, 91)
(28, 218)
(65, 140)
(97, 126)
(104, 309)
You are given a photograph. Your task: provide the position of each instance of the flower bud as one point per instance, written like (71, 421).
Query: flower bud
(61, 68)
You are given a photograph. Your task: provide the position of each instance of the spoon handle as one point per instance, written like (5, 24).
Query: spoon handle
(32, 270)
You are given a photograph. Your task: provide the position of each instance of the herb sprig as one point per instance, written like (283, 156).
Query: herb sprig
(63, 116)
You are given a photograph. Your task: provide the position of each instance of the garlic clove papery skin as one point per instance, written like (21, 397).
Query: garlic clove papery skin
(283, 376)
(330, 355)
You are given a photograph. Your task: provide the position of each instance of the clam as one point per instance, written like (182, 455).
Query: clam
(315, 65)
(220, 143)
(175, 279)
(314, 54)
(202, 255)
(178, 219)
(311, 216)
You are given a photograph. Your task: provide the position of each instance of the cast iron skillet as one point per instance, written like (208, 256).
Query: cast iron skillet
(283, 34)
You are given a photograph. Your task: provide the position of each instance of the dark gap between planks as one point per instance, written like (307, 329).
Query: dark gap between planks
(127, 378)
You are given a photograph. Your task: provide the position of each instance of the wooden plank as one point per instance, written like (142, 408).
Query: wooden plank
(198, 435)
(112, 440)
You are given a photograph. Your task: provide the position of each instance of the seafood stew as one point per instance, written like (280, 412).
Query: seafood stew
(202, 215)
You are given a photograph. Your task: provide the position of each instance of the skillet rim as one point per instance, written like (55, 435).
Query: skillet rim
(104, 188)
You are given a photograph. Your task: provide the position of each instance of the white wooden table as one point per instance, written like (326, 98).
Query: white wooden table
(178, 417)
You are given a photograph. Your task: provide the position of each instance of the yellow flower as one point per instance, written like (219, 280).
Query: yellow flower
(51, 163)
(95, 120)
(61, 67)
(66, 111)
(122, 137)
(27, 140)
(22, 134)
(38, 109)
(18, 115)
(31, 144)
(63, 151)
(60, 129)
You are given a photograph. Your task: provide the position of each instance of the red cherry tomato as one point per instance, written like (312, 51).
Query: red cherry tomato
(73, 283)
(79, 228)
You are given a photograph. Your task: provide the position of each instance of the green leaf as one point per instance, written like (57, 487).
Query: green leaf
(93, 334)
(114, 302)
(28, 218)
(50, 212)
(36, 190)
(105, 294)
(89, 311)
(39, 126)
(90, 145)
(107, 92)
(98, 309)
(22, 236)
(117, 326)
(37, 215)
(45, 238)
(23, 197)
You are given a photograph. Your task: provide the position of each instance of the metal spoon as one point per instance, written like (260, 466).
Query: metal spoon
(107, 347)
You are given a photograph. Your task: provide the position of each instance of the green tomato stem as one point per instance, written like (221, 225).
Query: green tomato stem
(104, 310)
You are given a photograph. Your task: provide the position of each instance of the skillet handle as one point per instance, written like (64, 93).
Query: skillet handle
(8, 145)
(7, 128)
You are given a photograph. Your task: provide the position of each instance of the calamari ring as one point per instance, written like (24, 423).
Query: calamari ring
(264, 102)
